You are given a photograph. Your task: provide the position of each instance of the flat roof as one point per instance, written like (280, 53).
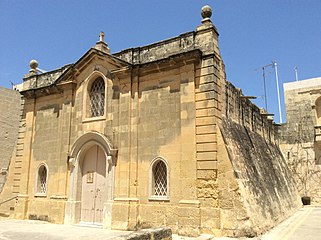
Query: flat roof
(307, 83)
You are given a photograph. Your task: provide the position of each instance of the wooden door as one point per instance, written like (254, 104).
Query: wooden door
(93, 186)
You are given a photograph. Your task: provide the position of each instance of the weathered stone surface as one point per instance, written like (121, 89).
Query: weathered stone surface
(10, 109)
(266, 190)
(45, 79)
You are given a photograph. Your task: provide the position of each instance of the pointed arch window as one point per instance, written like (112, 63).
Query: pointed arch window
(42, 179)
(97, 98)
(159, 180)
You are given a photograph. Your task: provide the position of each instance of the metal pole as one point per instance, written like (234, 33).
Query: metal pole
(265, 97)
(277, 86)
(296, 73)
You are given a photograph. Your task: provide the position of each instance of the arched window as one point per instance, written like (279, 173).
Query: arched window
(159, 179)
(42, 179)
(97, 98)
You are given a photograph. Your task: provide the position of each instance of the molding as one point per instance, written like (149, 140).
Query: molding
(125, 199)
(159, 198)
(58, 197)
(190, 202)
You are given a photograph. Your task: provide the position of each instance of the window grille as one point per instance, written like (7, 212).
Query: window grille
(160, 179)
(42, 179)
(97, 98)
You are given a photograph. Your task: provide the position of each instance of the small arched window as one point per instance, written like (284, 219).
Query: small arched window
(159, 179)
(42, 179)
(97, 98)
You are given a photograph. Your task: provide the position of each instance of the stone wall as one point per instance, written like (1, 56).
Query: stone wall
(300, 135)
(256, 188)
(34, 81)
(241, 110)
(160, 50)
(10, 108)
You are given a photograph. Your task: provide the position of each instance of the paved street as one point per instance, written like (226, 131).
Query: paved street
(25, 230)
(303, 225)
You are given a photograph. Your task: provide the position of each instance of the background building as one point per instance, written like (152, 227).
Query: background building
(10, 109)
(301, 135)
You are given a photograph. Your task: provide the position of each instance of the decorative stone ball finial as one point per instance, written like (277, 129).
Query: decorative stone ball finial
(33, 64)
(206, 12)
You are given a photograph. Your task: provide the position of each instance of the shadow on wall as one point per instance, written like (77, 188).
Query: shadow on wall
(267, 186)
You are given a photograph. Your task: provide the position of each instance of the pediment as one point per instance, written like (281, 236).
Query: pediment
(93, 61)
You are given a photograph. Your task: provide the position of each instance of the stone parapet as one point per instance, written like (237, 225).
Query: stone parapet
(241, 110)
(159, 50)
(45, 79)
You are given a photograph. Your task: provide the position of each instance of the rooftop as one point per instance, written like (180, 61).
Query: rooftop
(306, 83)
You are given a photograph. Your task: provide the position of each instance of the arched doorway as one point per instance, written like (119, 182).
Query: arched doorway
(93, 190)
(92, 162)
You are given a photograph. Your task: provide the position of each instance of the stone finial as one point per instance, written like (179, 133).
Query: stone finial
(206, 13)
(33, 65)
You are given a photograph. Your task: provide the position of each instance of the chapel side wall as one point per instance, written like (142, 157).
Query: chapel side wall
(253, 155)
(50, 145)
(161, 124)
(299, 142)
(43, 126)
(209, 75)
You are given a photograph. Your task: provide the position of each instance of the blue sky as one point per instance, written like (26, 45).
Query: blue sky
(252, 34)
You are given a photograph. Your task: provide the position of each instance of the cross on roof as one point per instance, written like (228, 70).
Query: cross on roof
(101, 36)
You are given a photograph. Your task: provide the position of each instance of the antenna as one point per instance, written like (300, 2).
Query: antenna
(263, 74)
(296, 73)
(275, 65)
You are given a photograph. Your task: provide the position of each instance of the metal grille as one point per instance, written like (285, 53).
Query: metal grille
(97, 98)
(42, 187)
(160, 178)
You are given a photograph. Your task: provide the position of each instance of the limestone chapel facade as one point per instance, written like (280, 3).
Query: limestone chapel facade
(147, 137)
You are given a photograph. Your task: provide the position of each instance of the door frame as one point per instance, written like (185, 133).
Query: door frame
(94, 192)
(75, 159)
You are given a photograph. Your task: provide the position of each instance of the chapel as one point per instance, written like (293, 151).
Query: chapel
(150, 136)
